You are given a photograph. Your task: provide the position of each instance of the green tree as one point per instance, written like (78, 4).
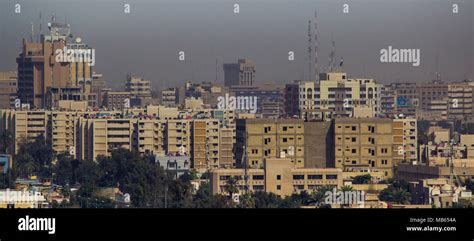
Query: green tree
(266, 200)
(395, 195)
(319, 195)
(362, 179)
(6, 141)
(231, 186)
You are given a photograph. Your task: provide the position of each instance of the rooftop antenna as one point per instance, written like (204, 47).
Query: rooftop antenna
(333, 54)
(309, 50)
(216, 71)
(316, 45)
(40, 26)
(32, 32)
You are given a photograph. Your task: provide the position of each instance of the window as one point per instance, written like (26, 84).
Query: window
(354, 150)
(298, 177)
(224, 177)
(285, 139)
(315, 176)
(299, 187)
(332, 177)
(254, 151)
(258, 187)
(278, 177)
(354, 139)
(354, 128)
(257, 177)
(384, 162)
(285, 128)
(278, 187)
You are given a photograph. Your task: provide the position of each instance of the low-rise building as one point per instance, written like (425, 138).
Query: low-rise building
(278, 176)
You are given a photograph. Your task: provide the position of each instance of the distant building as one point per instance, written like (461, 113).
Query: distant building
(139, 89)
(335, 95)
(98, 86)
(461, 103)
(40, 74)
(114, 100)
(170, 97)
(241, 73)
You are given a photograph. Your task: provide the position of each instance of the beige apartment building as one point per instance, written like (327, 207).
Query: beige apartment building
(374, 144)
(205, 145)
(278, 176)
(270, 138)
(337, 95)
(460, 96)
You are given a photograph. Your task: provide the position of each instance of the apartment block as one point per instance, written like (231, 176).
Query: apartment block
(460, 96)
(205, 145)
(270, 138)
(335, 95)
(374, 144)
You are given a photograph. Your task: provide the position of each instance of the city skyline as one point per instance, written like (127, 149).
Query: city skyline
(145, 55)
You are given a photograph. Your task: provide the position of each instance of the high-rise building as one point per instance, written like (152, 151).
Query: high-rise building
(337, 96)
(241, 73)
(205, 144)
(38, 70)
(50, 69)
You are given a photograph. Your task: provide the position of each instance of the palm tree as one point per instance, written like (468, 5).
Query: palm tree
(346, 188)
(318, 196)
(231, 186)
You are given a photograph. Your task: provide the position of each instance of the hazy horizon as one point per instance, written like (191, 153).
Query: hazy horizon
(146, 42)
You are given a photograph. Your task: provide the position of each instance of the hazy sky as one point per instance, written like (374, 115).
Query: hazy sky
(147, 41)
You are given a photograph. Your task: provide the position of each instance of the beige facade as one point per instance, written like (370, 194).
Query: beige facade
(8, 88)
(278, 176)
(337, 95)
(270, 138)
(372, 143)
